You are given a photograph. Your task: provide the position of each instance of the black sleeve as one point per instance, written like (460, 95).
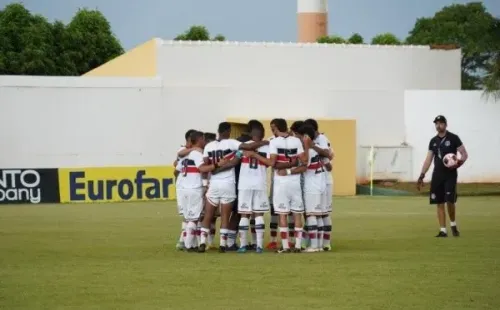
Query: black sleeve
(431, 147)
(458, 142)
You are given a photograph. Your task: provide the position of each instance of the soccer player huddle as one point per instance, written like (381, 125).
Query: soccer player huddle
(227, 178)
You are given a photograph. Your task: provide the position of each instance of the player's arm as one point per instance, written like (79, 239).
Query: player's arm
(204, 167)
(184, 152)
(253, 145)
(321, 151)
(296, 170)
(228, 165)
(426, 165)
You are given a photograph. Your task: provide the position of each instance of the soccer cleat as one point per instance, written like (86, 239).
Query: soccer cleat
(442, 234)
(283, 251)
(454, 231)
(232, 248)
(272, 245)
(327, 248)
(259, 250)
(201, 248)
(192, 250)
(311, 250)
(251, 247)
(180, 246)
(242, 250)
(291, 245)
(222, 249)
(296, 250)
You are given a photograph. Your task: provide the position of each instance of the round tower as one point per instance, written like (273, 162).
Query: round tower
(312, 17)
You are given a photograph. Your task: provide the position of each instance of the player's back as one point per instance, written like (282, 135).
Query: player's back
(315, 175)
(189, 172)
(286, 149)
(179, 181)
(217, 150)
(253, 173)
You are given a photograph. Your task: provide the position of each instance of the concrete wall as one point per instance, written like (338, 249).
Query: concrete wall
(470, 115)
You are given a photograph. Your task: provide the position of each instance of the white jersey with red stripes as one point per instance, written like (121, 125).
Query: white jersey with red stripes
(178, 182)
(190, 176)
(323, 142)
(315, 175)
(223, 149)
(286, 148)
(253, 173)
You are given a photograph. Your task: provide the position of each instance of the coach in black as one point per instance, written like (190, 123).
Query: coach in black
(444, 179)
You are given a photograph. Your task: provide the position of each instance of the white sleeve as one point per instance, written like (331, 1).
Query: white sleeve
(266, 150)
(198, 159)
(323, 142)
(179, 166)
(235, 144)
(205, 151)
(272, 148)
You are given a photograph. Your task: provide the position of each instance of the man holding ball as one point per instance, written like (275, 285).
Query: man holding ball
(444, 176)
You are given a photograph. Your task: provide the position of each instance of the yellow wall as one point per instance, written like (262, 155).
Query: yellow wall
(342, 136)
(138, 62)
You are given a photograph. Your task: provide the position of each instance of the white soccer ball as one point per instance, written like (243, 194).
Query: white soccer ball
(450, 160)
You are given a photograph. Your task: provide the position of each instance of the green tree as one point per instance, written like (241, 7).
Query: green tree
(468, 26)
(356, 39)
(198, 33)
(90, 41)
(385, 39)
(334, 39)
(492, 78)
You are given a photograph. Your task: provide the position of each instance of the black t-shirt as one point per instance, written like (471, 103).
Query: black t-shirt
(440, 146)
(243, 138)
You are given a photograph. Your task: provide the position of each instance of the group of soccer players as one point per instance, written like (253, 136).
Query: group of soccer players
(220, 176)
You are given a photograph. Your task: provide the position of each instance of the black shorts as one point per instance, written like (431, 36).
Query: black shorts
(443, 189)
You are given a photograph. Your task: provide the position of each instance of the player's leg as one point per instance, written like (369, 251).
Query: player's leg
(253, 233)
(450, 187)
(437, 197)
(291, 229)
(211, 203)
(327, 220)
(192, 212)
(245, 210)
(180, 244)
(211, 235)
(311, 202)
(281, 204)
(234, 221)
(273, 223)
(260, 205)
(227, 198)
(297, 208)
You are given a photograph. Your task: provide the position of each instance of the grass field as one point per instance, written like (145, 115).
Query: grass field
(121, 256)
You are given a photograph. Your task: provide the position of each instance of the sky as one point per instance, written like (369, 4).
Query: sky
(135, 22)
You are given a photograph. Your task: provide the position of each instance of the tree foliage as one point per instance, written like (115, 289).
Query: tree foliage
(30, 45)
(198, 33)
(386, 39)
(331, 39)
(468, 26)
(356, 39)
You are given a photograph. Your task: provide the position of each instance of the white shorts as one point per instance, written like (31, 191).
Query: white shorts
(328, 198)
(315, 204)
(192, 203)
(252, 201)
(178, 193)
(221, 193)
(287, 197)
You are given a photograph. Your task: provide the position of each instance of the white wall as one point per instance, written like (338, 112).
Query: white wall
(470, 115)
(336, 67)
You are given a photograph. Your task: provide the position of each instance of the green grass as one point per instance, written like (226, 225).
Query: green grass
(464, 189)
(120, 256)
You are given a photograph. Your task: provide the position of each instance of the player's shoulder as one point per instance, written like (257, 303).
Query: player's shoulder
(452, 135)
(183, 147)
(211, 145)
(293, 139)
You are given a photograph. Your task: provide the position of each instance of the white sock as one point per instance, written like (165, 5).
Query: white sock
(259, 229)
(198, 234)
(203, 235)
(284, 237)
(327, 230)
(223, 236)
(291, 228)
(443, 229)
(190, 235)
(273, 227)
(319, 219)
(183, 231)
(299, 232)
(243, 229)
(231, 238)
(312, 227)
(211, 234)
(453, 224)
(253, 231)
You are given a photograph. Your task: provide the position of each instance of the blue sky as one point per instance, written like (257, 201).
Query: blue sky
(136, 21)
